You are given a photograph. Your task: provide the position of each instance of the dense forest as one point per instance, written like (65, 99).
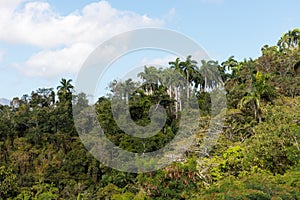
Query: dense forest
(256, 156)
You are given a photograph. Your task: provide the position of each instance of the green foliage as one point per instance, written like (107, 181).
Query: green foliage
(45, 192)
(275, 145)
(8, 186)
(257, 155)
(173, 182)
(108, 191)
(253, 186)
(124, 196)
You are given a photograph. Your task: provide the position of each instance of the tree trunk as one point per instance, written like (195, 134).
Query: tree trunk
(180, 103)
(257, 113)
(255, 110)
(126, 98)
(170, 91)
(176, 102)
(187, 86)
(259, 118)
(205, 84)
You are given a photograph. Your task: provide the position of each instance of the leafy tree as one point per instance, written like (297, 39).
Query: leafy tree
(8, 186)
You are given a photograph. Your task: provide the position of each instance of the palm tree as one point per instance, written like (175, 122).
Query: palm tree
(258, 90)
(211, 75)
(176, 66)
(198, 80)
(116, 89)
(128, 87)
(173, 81)
(65, 121)
(168, 80)
(188, 67)
(229, 66)
(151, 79)
(253, 97)
(290, 40)
(229, 63)
(65, 89)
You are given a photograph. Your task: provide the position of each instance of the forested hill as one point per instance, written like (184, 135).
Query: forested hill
(256, 156)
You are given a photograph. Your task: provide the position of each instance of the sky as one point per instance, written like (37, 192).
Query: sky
(43, 41)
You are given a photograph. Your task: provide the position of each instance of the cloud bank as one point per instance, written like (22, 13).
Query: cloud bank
(64, 41)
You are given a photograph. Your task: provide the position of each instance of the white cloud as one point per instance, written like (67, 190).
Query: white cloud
(10, 5)
(36, 23)
(49, 63)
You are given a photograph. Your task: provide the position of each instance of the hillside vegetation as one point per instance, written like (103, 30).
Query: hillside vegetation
(256, 156)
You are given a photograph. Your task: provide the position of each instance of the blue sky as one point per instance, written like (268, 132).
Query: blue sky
(43, 41)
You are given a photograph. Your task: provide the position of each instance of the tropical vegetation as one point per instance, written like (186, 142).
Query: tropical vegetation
(257, 154)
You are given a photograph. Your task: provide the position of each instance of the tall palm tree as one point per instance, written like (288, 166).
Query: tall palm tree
(175, 64)
(198, 80)
(116, 89)
(188, 67)
(209, 69)
(168, 80)
(182, 69)
(173, 80)
(65, 89)
(229, 63)
(151, 78)
(128, 87)
(65, 121)
(290, 40)
(229, 66)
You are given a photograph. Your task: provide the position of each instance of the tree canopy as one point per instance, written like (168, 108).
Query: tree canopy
(257, 154)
